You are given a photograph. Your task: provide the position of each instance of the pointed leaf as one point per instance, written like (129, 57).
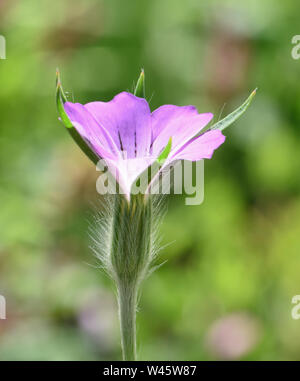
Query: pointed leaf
(58, 82)
(165, 153)
(229, 119)
(139, 90)
(60, 100)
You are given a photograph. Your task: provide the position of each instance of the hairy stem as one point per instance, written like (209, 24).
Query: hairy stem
(127, 311)
(126, 245)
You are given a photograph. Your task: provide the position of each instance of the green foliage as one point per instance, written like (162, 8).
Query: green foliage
(165, 153)
(60, 100)
(233, 116)
(139, 90)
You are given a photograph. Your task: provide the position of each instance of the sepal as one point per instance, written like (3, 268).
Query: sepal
(232, 117)
(60, 100)
(139, 90)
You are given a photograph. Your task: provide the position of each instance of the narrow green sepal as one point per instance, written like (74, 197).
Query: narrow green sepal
(58, 83)
(60, 100)
(139, 90)
(229, 119)
(165, 153)
(83, 146)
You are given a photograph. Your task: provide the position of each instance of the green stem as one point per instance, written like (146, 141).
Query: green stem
(127, 312)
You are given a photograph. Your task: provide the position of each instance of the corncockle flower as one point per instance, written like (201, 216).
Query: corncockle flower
(131, 138)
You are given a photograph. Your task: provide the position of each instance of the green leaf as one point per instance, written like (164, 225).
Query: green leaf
(139, 90)
(58, 82)
(229, 119)
(165, 153)
(60, 100)
(83, 145)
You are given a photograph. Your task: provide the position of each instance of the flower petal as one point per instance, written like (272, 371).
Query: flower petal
(201, 147)
(127, 118)
(181, 123)
(90, 131)
(126, 172)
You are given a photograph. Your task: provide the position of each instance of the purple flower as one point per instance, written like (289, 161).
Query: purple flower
(129, 137)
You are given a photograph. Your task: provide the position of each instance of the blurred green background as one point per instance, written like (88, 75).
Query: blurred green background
(233, 262)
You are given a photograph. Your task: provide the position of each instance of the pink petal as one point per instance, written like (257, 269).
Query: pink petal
(127, 118)
(96, 137)
(180, 123)
(201, 147)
